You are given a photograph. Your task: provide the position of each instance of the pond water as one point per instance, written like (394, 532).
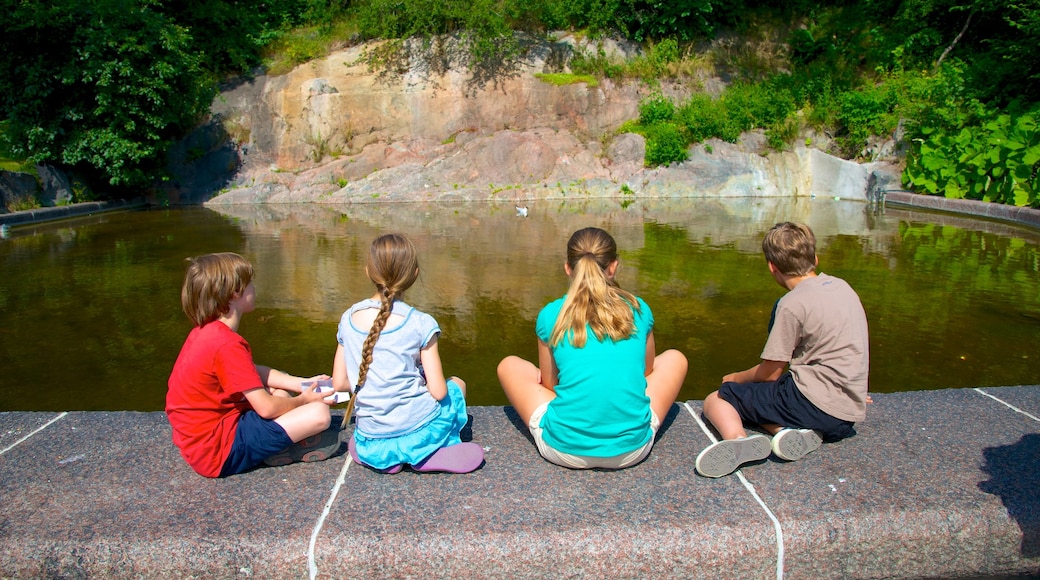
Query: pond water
(90, 313)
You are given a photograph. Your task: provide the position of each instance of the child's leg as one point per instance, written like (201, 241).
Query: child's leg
(522, 384)
(665, 380)
(461, 383)
(724, 417)
(302, 422)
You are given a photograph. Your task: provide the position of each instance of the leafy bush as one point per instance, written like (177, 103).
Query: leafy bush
(655, 109)
(998, 160)
(781, 133)
(757, 105)
(686, 20)
(120, 87)
(665, 145)
(703, 118)
(597, 64)
(864, 113)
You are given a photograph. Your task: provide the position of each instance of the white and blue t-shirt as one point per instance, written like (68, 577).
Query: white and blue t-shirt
(394, 399)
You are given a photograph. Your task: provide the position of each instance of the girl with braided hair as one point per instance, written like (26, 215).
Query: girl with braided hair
(599, 392)
(407, 413)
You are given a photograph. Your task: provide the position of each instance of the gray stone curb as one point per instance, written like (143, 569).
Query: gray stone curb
(935, 484)
(983, 209)
(45, 214)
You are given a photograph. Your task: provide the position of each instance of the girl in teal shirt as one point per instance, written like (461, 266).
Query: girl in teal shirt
(599, 393)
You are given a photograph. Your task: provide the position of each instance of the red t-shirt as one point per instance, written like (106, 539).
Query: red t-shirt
(205, 401)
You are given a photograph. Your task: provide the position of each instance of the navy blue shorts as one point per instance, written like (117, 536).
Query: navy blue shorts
(256, 439)
(781, 403)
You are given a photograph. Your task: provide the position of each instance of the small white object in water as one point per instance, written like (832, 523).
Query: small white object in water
(72, 459)
(5, 230)
(833, 489)
(521, 211)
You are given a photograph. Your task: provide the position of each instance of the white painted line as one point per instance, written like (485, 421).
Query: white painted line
(312, 567)
(34, 431)
(751, 488)
(1009, 405)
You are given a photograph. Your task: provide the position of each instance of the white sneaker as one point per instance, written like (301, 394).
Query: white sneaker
(794, 444)
(724, 457)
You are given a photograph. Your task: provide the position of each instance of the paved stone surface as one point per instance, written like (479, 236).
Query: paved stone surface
(936, 484)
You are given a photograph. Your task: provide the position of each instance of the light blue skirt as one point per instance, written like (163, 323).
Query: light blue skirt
(413, 447)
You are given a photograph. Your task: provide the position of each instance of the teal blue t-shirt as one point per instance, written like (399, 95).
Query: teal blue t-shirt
(601, 408)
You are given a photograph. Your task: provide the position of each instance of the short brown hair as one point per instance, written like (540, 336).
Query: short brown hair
(211, 283)
(791, 248)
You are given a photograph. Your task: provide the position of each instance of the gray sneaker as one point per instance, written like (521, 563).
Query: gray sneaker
(724, 457)
(794, 444)
(317, 447)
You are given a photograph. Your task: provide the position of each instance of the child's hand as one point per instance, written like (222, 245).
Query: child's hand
(318, 389)
(321, 377)
(313, 392)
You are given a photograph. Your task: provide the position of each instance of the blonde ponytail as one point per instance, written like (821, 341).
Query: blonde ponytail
(594, 298)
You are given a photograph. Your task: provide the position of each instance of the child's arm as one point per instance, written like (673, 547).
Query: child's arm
(276, 379)
(650, 354)
(766, 371)
(547, 366)
(340, 380)
(431, 363)
(269, 406)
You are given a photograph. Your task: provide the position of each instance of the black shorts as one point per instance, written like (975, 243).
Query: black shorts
(256, 439)
(781, 403)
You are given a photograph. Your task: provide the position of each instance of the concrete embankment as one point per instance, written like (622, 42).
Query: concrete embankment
(48, 214)
(936, 484)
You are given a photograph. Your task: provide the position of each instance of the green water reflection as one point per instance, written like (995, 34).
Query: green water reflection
(90, 316)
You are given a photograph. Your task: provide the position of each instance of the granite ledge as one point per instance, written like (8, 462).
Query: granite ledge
(935, 484)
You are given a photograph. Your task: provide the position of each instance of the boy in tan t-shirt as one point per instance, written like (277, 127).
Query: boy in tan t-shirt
(818, 335)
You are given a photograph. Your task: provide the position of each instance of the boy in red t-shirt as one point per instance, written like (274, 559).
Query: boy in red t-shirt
(229, 414)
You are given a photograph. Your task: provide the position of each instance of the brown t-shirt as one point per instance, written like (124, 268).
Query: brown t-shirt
(821, 330)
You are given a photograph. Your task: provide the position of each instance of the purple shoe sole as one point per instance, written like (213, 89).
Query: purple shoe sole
(352, 449)
(459, 458)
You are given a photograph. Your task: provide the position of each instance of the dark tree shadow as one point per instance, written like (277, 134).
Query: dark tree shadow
(1014, 472)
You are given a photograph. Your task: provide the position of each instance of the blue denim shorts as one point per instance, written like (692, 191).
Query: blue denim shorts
(781, 403)
(256, 439)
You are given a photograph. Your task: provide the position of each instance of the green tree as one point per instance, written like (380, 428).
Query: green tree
(102, 86)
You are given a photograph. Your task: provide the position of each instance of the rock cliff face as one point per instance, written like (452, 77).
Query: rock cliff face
(333, 131)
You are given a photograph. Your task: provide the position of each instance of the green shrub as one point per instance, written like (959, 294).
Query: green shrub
(757, 105)
(655, 109)
(598, 64)
(665, 145)
(781, 133)
(998, 160)
(703, 118)
(866, 112)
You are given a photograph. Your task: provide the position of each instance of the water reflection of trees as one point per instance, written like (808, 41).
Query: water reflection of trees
(931, 291)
